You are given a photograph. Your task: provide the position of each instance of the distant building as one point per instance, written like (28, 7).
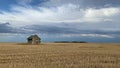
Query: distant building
(34, 39)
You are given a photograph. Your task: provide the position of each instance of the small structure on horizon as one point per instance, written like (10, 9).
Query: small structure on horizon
(34, 39)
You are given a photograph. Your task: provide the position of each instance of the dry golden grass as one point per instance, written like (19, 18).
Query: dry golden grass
(60, 55)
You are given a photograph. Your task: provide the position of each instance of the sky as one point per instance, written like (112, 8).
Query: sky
(60, 20)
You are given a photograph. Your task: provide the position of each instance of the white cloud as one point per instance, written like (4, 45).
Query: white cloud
(28, 16)
(88, 35)
(103, 14)
(97, 35)
(64, 13)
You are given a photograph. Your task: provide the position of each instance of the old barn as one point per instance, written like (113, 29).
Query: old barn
(34, 39)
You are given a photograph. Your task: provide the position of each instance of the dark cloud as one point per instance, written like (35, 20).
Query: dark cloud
(72, 29)
(49, 29)
(62, 28)
(5, 28)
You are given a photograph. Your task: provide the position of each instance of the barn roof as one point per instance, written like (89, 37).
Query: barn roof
(33, 36)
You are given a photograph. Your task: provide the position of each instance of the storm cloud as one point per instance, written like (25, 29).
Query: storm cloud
(5, 28)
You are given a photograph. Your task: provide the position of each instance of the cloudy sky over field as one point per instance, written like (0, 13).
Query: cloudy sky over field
(61, 18)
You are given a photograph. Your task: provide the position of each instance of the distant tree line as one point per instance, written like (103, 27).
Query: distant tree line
(70, 42)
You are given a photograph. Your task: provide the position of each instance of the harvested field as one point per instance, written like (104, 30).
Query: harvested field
(60, 55)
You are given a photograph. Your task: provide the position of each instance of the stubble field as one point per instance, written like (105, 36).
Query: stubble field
(60, 55)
